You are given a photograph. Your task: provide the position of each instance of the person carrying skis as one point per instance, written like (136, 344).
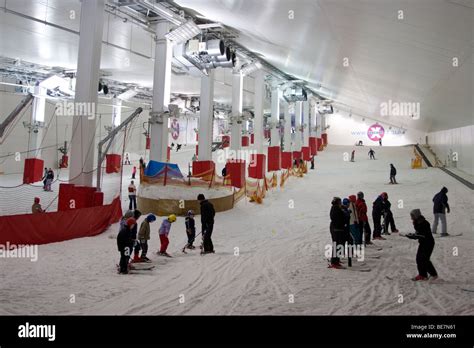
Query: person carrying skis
(336, 228)
(363, 219)
(207, 223)
(393, 173)
(371, 154)
(440, 207)
(144, 236)
(425, 247)
(124, 243)
(190, 229)
(164, 231)
(377, 212)
(388, 216)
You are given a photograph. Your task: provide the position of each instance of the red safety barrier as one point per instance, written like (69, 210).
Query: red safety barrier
(296, 155)
(33, 170)
(319, 142)
(245, 141)
(236, 170)
(252, 138)
(148, 143)
(257, 166)
(305, 152)
(202, 167)
(75, 197)
(325, 138)
(286, 160)
(113, 163)
(313, 146)
(274, 158)
(43, 228)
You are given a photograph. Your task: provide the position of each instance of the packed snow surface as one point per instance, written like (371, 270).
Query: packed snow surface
(267, 255)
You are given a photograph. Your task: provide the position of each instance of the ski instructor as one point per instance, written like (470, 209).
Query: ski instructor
(207, 222)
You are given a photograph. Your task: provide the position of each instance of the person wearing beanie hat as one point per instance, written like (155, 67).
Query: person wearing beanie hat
(440, 207)
(144, 236)
(36, 207)
(425, 246)
(190, 229)
(207, 223)
(124, 243)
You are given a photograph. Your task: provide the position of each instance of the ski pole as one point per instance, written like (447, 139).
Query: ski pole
(184, 248)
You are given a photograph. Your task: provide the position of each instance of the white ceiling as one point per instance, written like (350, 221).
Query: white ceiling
(407, 60)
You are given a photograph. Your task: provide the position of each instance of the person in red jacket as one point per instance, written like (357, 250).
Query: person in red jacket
(363, 219)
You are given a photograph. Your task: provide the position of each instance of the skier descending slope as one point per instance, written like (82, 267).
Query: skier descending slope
(425, 248)
(207, 222)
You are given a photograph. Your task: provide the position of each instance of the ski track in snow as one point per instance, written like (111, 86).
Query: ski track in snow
(281, 253)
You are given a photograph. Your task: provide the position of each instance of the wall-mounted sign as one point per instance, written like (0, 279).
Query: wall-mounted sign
(375, 132)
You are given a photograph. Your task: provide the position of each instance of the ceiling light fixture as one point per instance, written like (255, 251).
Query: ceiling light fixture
(249, 68)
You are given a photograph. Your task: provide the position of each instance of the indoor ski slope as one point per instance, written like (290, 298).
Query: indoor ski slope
(281, 255)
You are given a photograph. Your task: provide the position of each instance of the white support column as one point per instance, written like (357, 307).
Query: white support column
(161, 93)
(37, 122)
(259, 95)
(323, 124)
(116, 120)
(206, 116)
(287, 135)
(88, 64)
(306, 108)
(312, 119)
(298, 135)
(236, 128)
(275, 104)
(318, 124)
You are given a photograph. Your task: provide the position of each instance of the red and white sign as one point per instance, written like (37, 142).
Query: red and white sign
(175, 129)
(375, 132)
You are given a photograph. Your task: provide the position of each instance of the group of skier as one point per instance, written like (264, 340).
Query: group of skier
(130, 239)
(350, 224)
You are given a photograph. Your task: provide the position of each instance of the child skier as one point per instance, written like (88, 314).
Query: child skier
(144, 236)
(190, 229)
(125, 242)
(425, 248)
(164, 231)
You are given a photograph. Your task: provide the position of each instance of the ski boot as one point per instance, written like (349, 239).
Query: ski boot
(379, 238)
(418, 278)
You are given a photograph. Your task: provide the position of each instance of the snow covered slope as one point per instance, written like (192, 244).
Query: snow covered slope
(280, 256)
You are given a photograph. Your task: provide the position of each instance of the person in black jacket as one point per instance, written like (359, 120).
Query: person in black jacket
(388, 215)
(337, 229)
(425, 247)
(124, 243)
(377, 212)
(393, 173)
(190, 229)
(440, 207)
(207, 222)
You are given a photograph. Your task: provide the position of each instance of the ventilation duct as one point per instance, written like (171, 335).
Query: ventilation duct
(293, 94)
